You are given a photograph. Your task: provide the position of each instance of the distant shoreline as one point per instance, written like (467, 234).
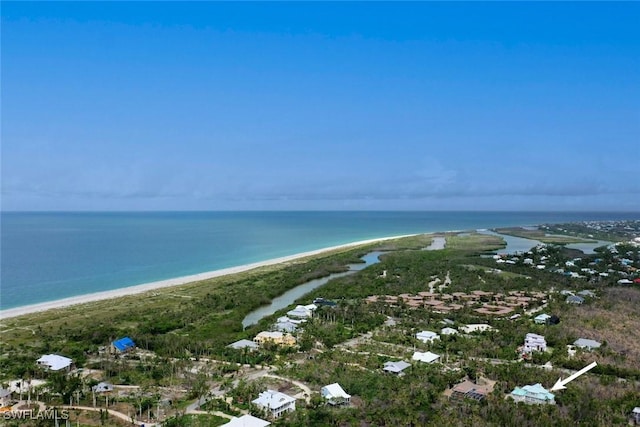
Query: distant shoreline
(177, 281)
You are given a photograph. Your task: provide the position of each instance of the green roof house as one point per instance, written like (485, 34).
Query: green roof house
(533, 394)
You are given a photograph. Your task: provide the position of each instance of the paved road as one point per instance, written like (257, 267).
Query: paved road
(194, 409)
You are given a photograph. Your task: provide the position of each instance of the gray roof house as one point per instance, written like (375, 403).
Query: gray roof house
(396, 368)
(587, 293)
(5, 397)
(102, 387)
(542, 319)
(574, 299)
(586, 344)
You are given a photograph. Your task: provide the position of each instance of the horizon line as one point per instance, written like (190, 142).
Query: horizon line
(2, 211)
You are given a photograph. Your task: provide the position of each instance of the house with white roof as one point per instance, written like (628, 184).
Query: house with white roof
(533, 394)
(396, 368)
(427, 336)
(246, 421)
(285, 327)
(448, 331)
(587, 344)
(542, 319)
(302, 311)
(475, 327)
(636, 414)
(335, 394)
(54, 362)
(288, 319)
(22, 386)
(534, 342)
(287, 324)
(242, 344)
(275, 403)
(427, 357)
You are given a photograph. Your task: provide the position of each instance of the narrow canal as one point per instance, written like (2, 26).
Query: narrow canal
(291, 295)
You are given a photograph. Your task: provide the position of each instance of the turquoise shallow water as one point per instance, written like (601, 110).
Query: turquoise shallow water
(48, 256)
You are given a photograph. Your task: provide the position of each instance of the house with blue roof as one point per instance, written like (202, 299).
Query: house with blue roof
(122, 345)
(533, 394)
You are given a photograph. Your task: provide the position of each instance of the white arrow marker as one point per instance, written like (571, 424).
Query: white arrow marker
(560, 385)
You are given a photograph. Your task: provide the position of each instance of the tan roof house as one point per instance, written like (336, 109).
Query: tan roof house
(274, 337)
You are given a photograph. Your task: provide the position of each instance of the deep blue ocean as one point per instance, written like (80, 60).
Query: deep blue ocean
(48, 256)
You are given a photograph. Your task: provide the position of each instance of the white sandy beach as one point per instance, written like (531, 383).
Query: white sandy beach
(131, 290)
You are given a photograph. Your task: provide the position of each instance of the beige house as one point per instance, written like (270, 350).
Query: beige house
(275, 337)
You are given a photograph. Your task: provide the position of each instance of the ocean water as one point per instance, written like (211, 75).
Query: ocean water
(48, 256)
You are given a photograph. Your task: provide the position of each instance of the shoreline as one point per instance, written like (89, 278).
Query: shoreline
(177, 281)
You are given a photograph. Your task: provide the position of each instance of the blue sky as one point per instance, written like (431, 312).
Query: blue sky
(430, 106)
